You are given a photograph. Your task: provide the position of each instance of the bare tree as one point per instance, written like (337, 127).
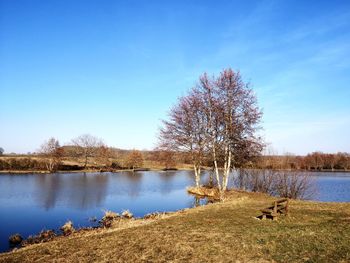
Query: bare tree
(329, 161)
(185, 131)
(219, 117)
(103, 154)
(87, 146)
(53, 152)
(232, 118)
(134, 159)
(240, 119)
(165, 158)
(315, 160)
(343, 161)
(2, 151)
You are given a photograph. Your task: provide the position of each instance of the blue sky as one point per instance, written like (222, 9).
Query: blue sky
(114, 68)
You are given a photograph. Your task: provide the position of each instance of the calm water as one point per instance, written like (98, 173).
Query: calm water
(31, 203)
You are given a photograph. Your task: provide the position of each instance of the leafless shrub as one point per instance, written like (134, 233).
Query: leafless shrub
(265, 182)
(294, 184)
(258, 180)
(291, 184)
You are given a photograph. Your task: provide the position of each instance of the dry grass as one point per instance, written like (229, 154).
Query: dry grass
(127, 214)
(108, 218)
(220, 232)
(67, 228)
(92, 164)
(204, 191)
(110, 215)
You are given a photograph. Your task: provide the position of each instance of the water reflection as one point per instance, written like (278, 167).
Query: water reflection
(133, 183)
(49, 192)
(80, 191)
(89, 190)
(48, 200)
(166, 181)
(199, 201)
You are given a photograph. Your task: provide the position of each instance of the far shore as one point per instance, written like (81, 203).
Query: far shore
(90, 171)
(144, 170)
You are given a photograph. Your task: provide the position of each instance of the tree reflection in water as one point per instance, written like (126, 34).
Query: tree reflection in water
(78, 190)
(133, 180)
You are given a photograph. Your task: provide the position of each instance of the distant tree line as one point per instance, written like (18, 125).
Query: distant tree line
(316, 161)
(83, 152)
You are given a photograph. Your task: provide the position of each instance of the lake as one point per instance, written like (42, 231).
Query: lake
(33, 202)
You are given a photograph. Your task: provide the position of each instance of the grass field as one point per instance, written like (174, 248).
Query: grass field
(220, 232)
(75, 164)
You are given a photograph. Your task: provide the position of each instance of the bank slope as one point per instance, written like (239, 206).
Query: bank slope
(221, 232)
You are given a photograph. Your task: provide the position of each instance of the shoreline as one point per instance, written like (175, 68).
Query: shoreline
(85, 171)
(121, 222)
(194, 235)
(146, 170)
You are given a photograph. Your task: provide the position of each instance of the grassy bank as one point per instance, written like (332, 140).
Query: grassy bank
(37, 164)
(92, 171)
(221, 232)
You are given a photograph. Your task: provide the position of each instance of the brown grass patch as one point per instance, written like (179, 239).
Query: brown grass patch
(204, 191)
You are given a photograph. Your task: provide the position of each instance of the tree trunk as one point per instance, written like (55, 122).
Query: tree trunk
(197, 171)
(211, 179)
(227, 171)
(216, 169)
(50, 165)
